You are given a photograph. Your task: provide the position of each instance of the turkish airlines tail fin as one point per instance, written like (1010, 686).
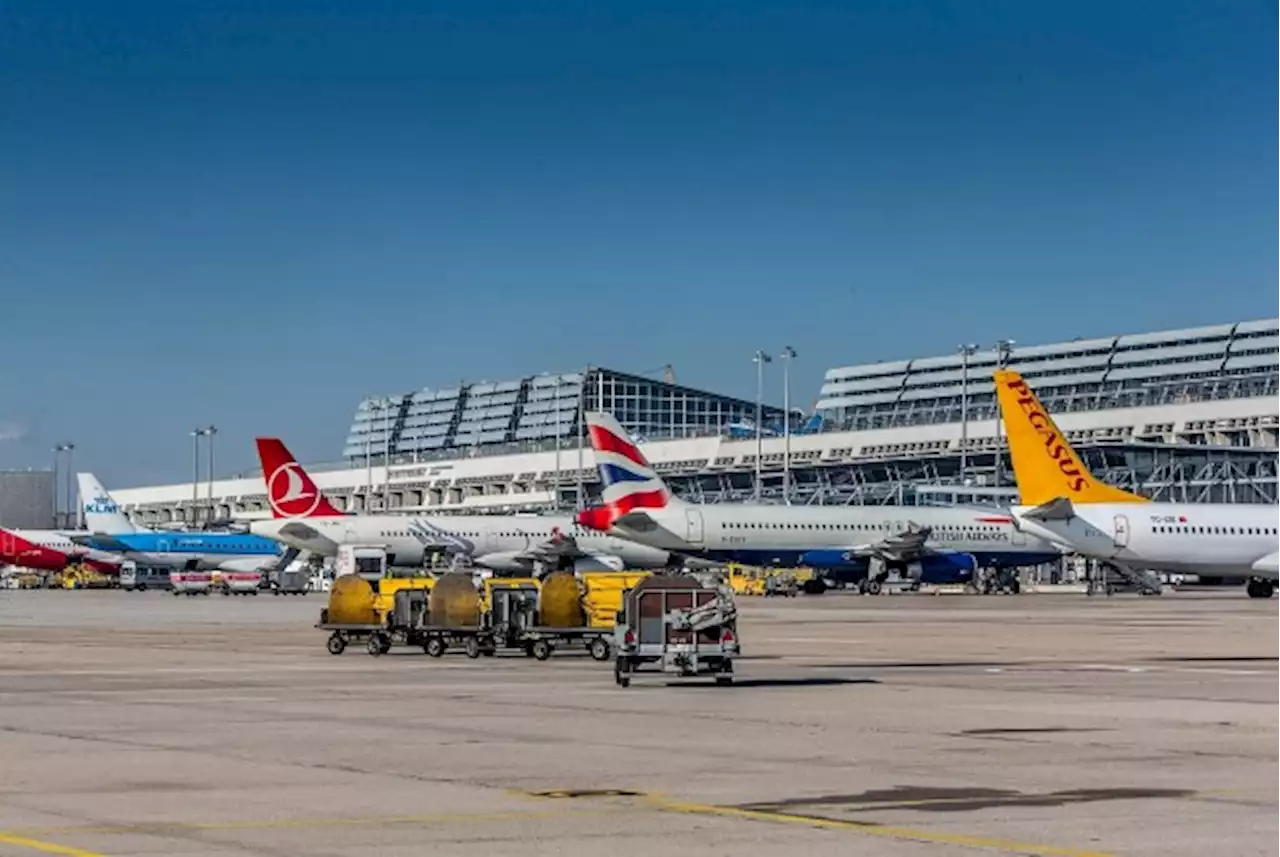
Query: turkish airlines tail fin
(1045, 466)
(290, 490)
(101, 513)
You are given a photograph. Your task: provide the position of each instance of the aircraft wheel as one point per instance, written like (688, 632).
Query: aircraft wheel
(1260, 588)
(873, 587)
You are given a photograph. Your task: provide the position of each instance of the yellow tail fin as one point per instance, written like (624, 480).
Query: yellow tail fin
(1044, 464)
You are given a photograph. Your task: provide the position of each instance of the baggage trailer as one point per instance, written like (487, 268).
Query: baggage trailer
(240, 582)
(505, 622)
(288, 582)
(679, 625)
(191, 582)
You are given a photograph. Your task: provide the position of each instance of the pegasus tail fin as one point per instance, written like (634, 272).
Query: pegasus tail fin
(1044, 464)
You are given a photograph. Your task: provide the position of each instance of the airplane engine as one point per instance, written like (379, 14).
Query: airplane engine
(599, 562)
(507, 562)
(943, 568)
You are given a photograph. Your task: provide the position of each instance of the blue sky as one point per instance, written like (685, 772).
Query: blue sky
(253, 214)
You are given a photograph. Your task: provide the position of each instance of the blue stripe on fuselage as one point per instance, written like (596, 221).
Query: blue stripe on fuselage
(197, 543)
(791, 558)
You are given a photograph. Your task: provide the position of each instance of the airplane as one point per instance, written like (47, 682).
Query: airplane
(109, 529)
(1063, 502)
(50, 550)
(505, 544)
(746, 428)
(861, 544)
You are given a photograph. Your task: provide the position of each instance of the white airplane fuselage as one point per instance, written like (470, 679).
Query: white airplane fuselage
(499, 542)
(1222, 540)
(825, 536)
(60, 540)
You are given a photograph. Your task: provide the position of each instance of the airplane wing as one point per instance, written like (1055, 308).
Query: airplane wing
(1057, 509)
(901, 546)
(558, 546)
(304, 532)
(100, 541)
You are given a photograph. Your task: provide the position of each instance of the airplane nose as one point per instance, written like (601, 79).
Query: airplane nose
(596, 518)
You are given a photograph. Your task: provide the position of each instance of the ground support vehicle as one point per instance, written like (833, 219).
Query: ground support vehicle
(679, 625)
(240, 582)
(289, 582)
(513, 614)
(191, 582)
(541, 643)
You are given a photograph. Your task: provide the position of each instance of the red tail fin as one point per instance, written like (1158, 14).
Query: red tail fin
(290, 490)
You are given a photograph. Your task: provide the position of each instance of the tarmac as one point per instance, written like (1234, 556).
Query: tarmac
(905, 726)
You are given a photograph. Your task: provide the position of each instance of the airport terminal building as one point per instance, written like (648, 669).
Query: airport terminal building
(1177, 415)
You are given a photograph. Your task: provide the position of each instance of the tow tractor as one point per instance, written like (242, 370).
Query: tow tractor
(677, 623)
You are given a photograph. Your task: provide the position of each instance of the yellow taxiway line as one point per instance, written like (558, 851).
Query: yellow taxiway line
(45, 847)
(866, 828)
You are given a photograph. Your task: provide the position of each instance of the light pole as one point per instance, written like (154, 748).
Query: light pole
(57, 454)
(1003, 348)
(966, 351)
(386, 453)
(73, 506)
(788, 354)
(210, 432)
(555, 398)
(759, 359)
(196, 434)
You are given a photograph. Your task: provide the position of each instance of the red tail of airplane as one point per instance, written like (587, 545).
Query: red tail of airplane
(290, 490)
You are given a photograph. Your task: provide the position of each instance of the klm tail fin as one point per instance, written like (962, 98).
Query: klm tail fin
(101, 513)
(629, 481)
(1045, 466)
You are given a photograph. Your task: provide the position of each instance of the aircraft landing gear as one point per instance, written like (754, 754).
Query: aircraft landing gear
(1260, 588)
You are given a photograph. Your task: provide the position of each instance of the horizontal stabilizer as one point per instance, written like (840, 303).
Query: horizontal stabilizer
(635, 520)
(1057, 509)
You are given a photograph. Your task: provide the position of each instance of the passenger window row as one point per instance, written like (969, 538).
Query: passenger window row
(1220, 531)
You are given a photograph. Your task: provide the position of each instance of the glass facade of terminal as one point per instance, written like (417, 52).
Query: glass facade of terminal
(1176, 366)
(532, 413)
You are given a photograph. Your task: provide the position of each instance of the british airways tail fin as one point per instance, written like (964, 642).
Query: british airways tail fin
(629, 481)
(1045, 466)
(101, 513)
(290, 490)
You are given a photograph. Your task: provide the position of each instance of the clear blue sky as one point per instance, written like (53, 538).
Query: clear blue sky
(253, 214)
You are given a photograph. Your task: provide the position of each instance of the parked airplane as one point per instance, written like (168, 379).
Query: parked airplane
(1066, 504)
(929, 544)
(746, 428)
(195, 550)
(50, 550)
(305, 519)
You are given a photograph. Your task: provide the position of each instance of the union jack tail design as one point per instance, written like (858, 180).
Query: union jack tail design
(629, 481)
